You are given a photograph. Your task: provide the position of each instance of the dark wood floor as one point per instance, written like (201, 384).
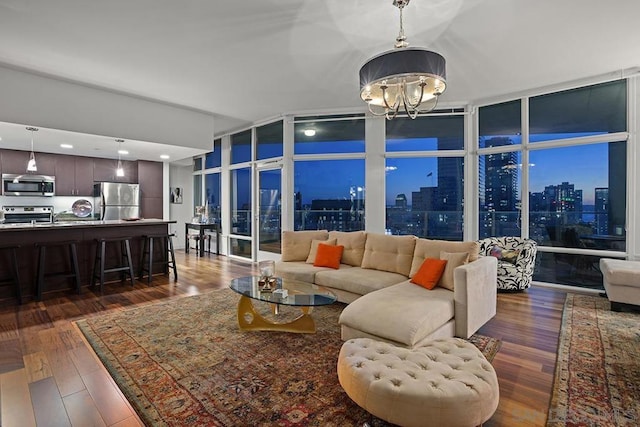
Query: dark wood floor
(49, 376)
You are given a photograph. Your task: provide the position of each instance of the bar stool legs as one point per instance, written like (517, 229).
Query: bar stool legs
(42, 265)
(99, 264)
(168, 256)
(15, 279)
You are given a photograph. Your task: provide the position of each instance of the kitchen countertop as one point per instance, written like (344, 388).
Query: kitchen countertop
(82, 224)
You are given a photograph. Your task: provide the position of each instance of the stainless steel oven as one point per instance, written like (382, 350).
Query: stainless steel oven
(27, 214)
(28, 185)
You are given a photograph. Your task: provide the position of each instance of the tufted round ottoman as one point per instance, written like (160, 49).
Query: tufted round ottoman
(445, 382)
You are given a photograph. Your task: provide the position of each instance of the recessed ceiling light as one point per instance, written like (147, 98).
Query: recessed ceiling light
(164, 156)
(66, 145)
(124, 152)
(309, 132)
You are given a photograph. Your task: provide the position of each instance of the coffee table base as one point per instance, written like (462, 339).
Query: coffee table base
(250, 320)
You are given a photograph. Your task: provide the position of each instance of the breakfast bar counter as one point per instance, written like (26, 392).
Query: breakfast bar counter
(85, 233)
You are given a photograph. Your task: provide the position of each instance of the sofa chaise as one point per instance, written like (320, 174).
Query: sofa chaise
(374, 278)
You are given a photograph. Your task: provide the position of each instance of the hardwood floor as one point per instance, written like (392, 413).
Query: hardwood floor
(49, 376)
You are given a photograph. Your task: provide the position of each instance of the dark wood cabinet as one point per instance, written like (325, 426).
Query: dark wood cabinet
(84, 176)
(74, 176)
(151, 207)
(150, 180)
(15, 161)
(104, 170)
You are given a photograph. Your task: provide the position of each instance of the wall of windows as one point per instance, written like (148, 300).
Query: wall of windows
(574, 200)
(551, 166)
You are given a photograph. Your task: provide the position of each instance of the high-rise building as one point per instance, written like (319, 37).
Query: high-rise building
(499, 201)
(568, 201)
(401, 201)
(601, 210)
(450, 190)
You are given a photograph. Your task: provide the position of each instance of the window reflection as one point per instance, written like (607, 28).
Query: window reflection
(269, 140)
(241, 147)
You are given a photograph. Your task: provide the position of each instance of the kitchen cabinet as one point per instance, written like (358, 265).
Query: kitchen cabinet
(74, 176)
(151, 190)
(150, 178)
(151, 207)
(15, 161)
(104, 170)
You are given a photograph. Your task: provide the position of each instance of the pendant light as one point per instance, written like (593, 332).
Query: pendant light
(31, 164)
(119, 169)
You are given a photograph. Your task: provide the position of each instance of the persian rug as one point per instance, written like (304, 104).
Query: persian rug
(186, 363)
(597, 376)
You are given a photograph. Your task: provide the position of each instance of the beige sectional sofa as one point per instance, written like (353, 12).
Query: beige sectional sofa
(374, 279)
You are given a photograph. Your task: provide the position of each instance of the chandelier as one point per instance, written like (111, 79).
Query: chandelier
(407, 78)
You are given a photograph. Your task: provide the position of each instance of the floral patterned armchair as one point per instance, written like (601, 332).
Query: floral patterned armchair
(516, 259)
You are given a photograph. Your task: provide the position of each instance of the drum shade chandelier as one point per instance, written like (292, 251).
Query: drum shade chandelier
(404, 78)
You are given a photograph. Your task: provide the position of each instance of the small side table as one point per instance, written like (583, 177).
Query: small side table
(201, 228)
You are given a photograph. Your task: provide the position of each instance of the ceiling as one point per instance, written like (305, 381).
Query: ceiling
(248, 61)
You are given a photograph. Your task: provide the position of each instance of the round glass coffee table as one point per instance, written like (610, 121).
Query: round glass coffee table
(301, 294)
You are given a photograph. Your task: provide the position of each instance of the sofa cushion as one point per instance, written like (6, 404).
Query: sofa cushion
(300, 270)
(297, 244)
(328, 256)
(314, 248)
(429, 273)
(353, 242)
(389, 253)
(403, 313)
(358, 280)
(454, 260)
(426, 248)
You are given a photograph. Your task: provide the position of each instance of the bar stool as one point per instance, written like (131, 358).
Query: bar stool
(168, 255)
(99, 263)
(73, 271)
(15, 270)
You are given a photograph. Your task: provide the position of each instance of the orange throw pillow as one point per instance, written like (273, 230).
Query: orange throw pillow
(429, 273)
(328, 256)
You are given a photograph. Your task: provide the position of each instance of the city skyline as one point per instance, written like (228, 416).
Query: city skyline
(586, 166)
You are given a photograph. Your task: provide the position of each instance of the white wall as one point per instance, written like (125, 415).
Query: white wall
(180, 176)
(47, 102)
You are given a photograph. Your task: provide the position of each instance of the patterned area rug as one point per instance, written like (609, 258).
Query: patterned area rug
(186, 363)
(597, 377)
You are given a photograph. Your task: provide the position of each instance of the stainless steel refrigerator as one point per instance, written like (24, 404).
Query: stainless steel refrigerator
(115, 200)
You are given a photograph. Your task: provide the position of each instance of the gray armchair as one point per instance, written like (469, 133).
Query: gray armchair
(516, 259)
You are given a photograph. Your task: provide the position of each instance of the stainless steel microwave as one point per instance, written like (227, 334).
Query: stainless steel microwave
(28, 185)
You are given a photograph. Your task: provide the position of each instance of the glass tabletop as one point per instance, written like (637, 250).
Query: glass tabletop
(299, 293)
